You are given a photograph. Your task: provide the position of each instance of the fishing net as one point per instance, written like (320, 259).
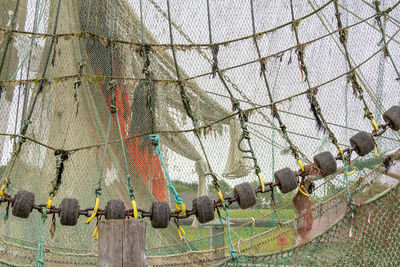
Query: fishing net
(66, 64)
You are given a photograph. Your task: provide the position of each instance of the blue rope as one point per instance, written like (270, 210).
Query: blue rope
(39, 253)
(231, 247)
(155, 138)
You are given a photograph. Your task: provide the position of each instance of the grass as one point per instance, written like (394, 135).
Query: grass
(285, 214)
(263, 244)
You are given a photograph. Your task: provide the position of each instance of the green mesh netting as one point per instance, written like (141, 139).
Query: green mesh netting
(63, 64)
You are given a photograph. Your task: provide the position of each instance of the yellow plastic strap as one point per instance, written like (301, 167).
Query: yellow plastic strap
(96, 232)
(49, 202)
(375, 125)
(135, 215)
(301, 191)
(182, 209)
(181, 232)
(340, 151)
(352, 172)
(96, 206)
(301, 165)
(376, 152)
(260, 178)
(220, 196)
(2, 190)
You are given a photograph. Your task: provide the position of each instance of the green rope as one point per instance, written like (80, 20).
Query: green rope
(28, 54)
(231, 247)
(98, 189)
(17, 150)
(127, 173)
(39, 253)
(155, 140)
(9, 37)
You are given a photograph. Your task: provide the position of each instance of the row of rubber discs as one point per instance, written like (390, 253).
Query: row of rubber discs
(287, 181)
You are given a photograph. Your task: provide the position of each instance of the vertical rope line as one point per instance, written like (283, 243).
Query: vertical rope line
(11, 163)
(315, 107)
(275, 113)
(127, 173)
(33, 40)
(226, 78)
(357, 89)
(98, 189)
(382, 29)
(9, 36)
(185, 100)
(235, 105)
(141, 21)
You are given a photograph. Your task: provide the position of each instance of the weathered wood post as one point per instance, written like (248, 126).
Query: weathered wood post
(122, 243)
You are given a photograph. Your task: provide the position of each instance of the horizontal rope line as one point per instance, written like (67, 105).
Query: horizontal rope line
(99, 78)
(177, 46)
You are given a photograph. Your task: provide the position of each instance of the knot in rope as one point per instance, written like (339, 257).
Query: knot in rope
(214, 51)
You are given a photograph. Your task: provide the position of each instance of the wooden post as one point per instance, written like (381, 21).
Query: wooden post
(122, 243)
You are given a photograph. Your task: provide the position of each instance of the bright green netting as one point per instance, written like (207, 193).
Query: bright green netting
(118, 52)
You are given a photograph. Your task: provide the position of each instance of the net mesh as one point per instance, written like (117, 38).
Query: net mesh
(68, 70)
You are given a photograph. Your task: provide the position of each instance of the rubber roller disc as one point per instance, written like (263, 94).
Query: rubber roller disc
(204, 208)
(246, 195)
(363, 143)
(286, 179)
(160, 214)
(23, 203)
(115, 210)
(392, 115)
(326, 162)
(69, 211)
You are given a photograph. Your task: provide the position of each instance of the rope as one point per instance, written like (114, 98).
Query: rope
(231, 247)
(357, 89)
(39, 253)
(9, 37)
(243, 117)
(127, 173)
(386, 49)
(189, 112)
(98, 189)
(314, 104)
(29, 53)
(10, 165)
(155, 141)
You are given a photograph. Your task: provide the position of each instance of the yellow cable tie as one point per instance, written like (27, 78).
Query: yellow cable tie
(181, 232)
(49, 202)
(301, 165)
(340, 151)
(352, 172)
(220, 196)
(182, 209)
(261, 179)
(253, 221)
(375, 125)
(2, 190)
(96, 206)
(376, 152)
(96, 232)
(304, 193)
(135, 213)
